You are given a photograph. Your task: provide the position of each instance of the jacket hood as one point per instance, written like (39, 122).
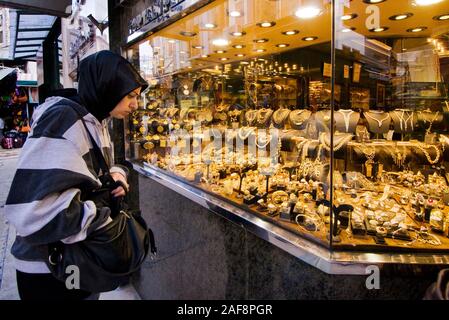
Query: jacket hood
(105, 78)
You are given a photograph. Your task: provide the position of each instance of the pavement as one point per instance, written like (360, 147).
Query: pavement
(8, 287)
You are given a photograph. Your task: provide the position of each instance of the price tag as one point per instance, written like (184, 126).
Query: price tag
(327, 70)
(346, 72)
(356, 73)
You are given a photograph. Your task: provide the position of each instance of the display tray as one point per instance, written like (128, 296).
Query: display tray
(346, 241)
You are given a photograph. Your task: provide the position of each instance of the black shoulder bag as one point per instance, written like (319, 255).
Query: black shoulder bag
(109, 255)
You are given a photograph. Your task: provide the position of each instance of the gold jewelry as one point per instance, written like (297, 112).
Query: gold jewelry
(160, 129)
(279, 197)
(264, 115)
(280, 115)
(379, 121)
(264, 140)
(148, 145)
(423, 147)
(326, 143)
(299, 117)
(250, 116)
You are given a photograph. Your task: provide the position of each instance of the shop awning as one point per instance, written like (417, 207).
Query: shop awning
(60, 8)
(28, 31)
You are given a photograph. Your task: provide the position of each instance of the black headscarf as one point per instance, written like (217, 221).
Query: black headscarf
(105, 78)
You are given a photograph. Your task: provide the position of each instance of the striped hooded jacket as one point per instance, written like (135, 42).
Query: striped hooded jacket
(56, 163)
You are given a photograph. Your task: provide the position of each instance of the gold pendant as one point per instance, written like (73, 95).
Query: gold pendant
(148, 145)
(160, 129)
(142, 130)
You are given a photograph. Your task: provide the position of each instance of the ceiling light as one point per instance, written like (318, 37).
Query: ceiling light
(373, 1)
(260, 40)
(220, 51)
(418, 29)
(171, 41)
(290, 32)
(239, 55)
(239, 46)
(189, 67)
(188, 33)
(260, 50)
(244, 62)
(210, 25)
(380, 29)
(204, 56)
(238, 33)
(345, 30)
(220, 42)
(309, 38)
(282, 45)
(307, 12)
(442, 17)
(426, 2)
(235, 13)
(224, 59)
(349, 16)
(401, 16)
(266, 24)
(198, 47)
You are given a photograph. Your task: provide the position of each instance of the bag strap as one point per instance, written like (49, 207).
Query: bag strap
(97, 151)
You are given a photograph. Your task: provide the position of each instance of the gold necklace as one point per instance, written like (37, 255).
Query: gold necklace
(379, 122)
(326, 144)
(263, 115)
(250, 116)
(423, 147)
(245, 132)
(280, 115)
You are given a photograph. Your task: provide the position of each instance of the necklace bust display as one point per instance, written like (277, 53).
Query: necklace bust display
(250, 117)
(298, 119)
(264, 117)
(427, 119)
(346, 120)
(279, 117)
(378, 121)
(323, 120)
(404, 120)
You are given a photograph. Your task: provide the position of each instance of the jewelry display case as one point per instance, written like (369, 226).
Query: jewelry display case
(331, 134)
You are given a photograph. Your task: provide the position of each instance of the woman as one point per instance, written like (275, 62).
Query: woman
(45, 200)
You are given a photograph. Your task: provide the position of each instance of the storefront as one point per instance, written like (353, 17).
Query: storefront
(288, 149)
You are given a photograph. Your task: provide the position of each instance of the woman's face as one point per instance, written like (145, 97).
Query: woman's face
(127, 105)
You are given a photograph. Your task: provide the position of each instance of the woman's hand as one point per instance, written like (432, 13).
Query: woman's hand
(120, 191)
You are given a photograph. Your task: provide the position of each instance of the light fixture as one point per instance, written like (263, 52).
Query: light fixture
(204, 56)
(224, 59)
(345, 30)
(220, 42)
(290, 32)
(260, 50)
(426, 2)
(235, 13)
(442, 17)
(198, 47)
(260, 40)
(401, 16)
(240, 55)
(189, 67)
(266, 24)
(282, 45)
(239, 46)
(380, 29)
(210, 25)
(307, 12)
(309, 38)
(171, 41)
(417, 29)
(188, 33)
(244, 62)
(220, 51)
(373, 1)
(238, 33)
(347, 17)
